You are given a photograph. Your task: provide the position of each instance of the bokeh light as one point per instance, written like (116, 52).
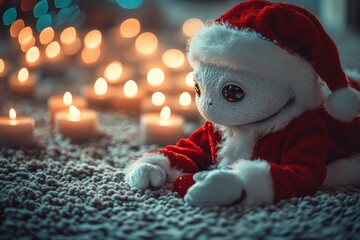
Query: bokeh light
(146, 43)
(158, 98)
(53, 50)
(93, 39)
(185, 99)
(23, 75)
(43, 22)
(16, 28)
(90, 56)
(191, 26)
(32, 55)
(73, 48)
(130, 4)
(189, 79)
(165, 113)
(68, 35)
(155, 76)
(113, 71)
(173, 58)
(25, 35)
(46, 35)
(100, 87)
(41, 8)
(2, 66)
(62, 3)
(9, 16)
(130, 89)
(130, 28)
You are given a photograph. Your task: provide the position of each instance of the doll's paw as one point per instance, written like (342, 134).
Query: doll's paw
(215, 188)
(145, 175)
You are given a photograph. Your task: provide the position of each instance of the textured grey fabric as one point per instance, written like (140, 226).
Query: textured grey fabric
(59, 190)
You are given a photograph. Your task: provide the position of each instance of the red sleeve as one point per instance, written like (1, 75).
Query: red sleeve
(195, 153)
(302, 167)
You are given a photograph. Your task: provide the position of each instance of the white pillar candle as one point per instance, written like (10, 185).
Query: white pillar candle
(23, 84)
(78, 125)
(62, 102)
(16, 131)
(163, 129)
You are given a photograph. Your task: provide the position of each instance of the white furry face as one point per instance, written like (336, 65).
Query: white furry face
(261, 99)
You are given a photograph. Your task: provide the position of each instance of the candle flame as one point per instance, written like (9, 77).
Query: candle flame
(100, 86)
(185, 99)
(16, 28)
(93, 39)
(67, 99)
(146, 43)
(165, 113)
(191, 26)
(113, 71)
(130, 89)
(68, 35)
(74, 113)
(189, 79)
(155, 77)
(32, 55)
(158, 98)
(23, 75)
(12, 114)
(130, 28)
(173, 58)
(46, 35)
(53, 50)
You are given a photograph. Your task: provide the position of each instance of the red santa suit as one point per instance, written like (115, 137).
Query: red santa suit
(297, 154)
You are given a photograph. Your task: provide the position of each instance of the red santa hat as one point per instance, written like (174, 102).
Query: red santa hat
(280, 41)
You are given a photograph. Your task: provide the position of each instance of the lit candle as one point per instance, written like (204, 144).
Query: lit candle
(16, 131)
(129, 98)
(162, 129)
(78, 125)
(185, 106)
(99, 94)
(62, 102)
(23, 84)
(155, 103)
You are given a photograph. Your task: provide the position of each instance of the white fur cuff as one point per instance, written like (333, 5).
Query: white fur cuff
(257, 181)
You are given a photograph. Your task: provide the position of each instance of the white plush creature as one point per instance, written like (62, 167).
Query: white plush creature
(267, 136)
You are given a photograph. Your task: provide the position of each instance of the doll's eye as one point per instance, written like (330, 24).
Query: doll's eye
(197, 89)
(233, 93)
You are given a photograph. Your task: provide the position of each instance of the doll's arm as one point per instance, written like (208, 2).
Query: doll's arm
(188, 155)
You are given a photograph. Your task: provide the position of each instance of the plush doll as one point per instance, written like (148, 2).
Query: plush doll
(282, 118)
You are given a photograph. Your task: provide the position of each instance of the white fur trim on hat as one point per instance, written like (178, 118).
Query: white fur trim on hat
(243, 49)
(344, 104)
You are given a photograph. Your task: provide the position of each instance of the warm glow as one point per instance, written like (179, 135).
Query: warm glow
(67, 99)
(25, 35)
(173, 58)
(12, 114)
(32, 55)
(191, 26)
(68, 35)
(25, 47)
(23, 75)
(146, 43)
(165, 113)
(46, 35)
(113, 71)
(189, 79)
(90, 56)
(130, 89)
(73, 48)
(93, 39)
(155, 77)
(130, 28)
(158, 98)
(100, 87)
(53, 50)
(16, 28)
(185, 99)
(74, 113)
(2, 66)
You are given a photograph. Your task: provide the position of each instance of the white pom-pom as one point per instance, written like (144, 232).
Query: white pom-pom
(344, 104)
